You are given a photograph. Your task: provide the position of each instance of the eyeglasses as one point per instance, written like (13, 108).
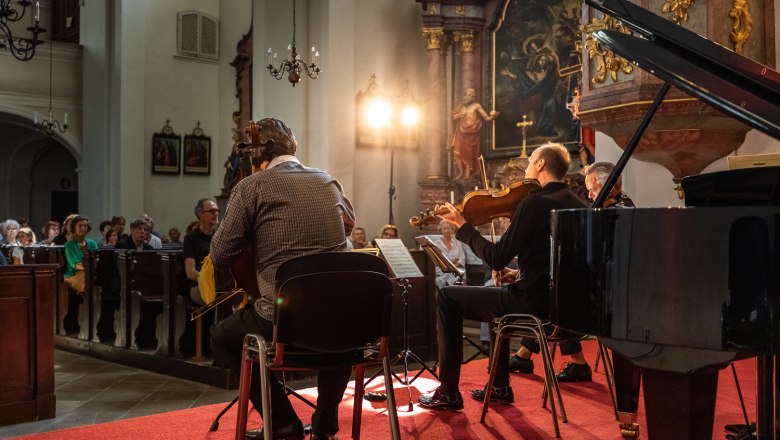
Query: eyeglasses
(211, 210)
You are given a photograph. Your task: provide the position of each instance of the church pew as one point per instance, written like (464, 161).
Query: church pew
(170, 326)
(141, 295)
(104, 295)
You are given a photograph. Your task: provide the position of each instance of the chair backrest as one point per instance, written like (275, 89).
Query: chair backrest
(329, 262)
(333, 312)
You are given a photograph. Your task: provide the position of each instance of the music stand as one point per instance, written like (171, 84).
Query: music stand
(439, 259)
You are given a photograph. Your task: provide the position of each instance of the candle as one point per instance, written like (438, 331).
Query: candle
(66, 118)
(270, 59)
(37, 17)
(452, 197)
(313, 52)
(36, 117)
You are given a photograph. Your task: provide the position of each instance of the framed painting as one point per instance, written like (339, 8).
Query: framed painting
(197, 153)
(534, 72)
(166, 152)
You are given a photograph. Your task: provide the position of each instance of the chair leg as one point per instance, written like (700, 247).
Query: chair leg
(357, 403)
(492, 372)
(243, 396)
(550, 381)
(392, 409)
(265, 389)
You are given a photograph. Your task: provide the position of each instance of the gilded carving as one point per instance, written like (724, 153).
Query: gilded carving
(434, 10)
(606, 60)
(743, 23)
(434, 37)
(679, 8)
(466, 41)
(460, 11)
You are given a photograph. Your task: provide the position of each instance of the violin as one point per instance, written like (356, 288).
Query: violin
(481, 206)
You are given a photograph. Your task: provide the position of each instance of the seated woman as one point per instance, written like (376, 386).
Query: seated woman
(26, 238)
(78, 227)
(452, 249)
(50, 231)
(387, 231)
(11, 229)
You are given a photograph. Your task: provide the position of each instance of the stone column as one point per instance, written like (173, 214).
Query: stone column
(465, 42)
(434, 132)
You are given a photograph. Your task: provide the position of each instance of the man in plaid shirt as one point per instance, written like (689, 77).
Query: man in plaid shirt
(285, 211)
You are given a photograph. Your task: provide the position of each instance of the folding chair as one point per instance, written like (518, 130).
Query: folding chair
(347, 314)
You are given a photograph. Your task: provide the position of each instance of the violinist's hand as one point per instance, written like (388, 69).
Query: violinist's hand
(504, 276)
(454, 216)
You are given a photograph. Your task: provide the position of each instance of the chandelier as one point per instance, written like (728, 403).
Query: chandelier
(50, 125)
(294, 67)
(22, 49)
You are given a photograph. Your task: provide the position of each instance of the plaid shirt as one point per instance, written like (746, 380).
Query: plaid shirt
(284, 212)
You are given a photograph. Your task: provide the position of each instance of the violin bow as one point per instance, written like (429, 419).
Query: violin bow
(481, 159)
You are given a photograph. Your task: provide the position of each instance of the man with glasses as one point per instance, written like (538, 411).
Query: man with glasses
(196, 244)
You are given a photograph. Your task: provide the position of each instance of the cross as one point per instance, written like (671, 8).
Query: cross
(524, 126)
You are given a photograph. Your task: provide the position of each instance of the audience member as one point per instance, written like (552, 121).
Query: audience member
(23, 222)
(152, 238)
(50, 231)
(454, 250)
(174, 236)
(26, 238)
(110, 239)
(64, 236)
(525, 290)
(105, 225)
(78, 243)
(10, 232)
(196, 244)
(118, 223)
(359, 238)
(264, 220)
(139, 229)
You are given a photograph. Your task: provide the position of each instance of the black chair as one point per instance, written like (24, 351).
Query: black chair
(345, 299)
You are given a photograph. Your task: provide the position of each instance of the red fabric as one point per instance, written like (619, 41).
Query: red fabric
(587, 405)
(465, 142)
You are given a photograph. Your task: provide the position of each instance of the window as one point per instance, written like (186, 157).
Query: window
(197, 36)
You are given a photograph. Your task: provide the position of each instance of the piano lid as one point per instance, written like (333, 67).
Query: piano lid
(738, 86)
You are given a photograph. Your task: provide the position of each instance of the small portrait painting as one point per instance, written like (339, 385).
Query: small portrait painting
(165, 154)
(197, 154)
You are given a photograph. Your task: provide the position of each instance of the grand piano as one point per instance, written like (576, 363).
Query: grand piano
(681, 292)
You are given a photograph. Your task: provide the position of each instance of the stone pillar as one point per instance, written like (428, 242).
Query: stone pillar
(435, 102)
(468, 69)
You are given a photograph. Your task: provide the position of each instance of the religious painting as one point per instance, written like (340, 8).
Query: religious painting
(166, 152)
(197, 153)
(535, 73)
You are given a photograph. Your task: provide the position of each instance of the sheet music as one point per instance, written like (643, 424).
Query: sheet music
(398, 258)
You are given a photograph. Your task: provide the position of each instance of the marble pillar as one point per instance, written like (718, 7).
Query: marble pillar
(468, 69)
(435, 102)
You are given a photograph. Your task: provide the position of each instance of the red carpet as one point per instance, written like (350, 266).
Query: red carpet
(587, 405)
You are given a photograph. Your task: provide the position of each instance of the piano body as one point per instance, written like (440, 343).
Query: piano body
(681, 292)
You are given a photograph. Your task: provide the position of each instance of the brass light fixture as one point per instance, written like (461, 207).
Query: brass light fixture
(295, 66)
(22, 49)
(50, 125)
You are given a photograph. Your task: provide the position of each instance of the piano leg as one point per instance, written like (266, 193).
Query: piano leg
(627, 382)
(680, 406)
(765, 397)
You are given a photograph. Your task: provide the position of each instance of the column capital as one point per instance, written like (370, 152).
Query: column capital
(466, 40)
(434, 37)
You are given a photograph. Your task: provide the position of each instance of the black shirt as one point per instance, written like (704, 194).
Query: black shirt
(196, 246)
(128, 243)
(528, 238)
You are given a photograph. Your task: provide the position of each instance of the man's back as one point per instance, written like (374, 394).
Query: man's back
(286, 211)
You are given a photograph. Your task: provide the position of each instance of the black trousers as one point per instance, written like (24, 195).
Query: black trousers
(227, 340)
(456, 303)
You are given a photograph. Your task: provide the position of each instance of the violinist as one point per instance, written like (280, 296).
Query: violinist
(284, 211)
(525, 290)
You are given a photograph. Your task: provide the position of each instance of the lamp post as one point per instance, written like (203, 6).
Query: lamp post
(380, 112)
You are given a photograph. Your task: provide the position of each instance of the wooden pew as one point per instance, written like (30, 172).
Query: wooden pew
(27, 295)
(51, 255)
(141, 293)
(170, 326)
(104, 295)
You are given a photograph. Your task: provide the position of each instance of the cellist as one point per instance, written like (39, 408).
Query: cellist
(285, 211)
(518, 291)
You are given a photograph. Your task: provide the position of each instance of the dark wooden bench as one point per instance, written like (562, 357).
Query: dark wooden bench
(142, 293)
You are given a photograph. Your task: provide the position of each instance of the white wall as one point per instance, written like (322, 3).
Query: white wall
(356, 39)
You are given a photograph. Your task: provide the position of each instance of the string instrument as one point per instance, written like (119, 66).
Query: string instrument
(482, 205)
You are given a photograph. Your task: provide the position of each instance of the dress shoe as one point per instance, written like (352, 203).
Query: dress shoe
(324, 437)
(294, 431)
(498, 394)
(572, 372)
(440, 401)
(521, 365)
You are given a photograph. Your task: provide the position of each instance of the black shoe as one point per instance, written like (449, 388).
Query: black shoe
(375, 397)
(324, 437)
(572, 372)
(498, 394)
(440, 401)
(294, 431)
(521, 365)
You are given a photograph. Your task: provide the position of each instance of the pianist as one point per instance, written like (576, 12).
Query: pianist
(285, 211)
(521, 291)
